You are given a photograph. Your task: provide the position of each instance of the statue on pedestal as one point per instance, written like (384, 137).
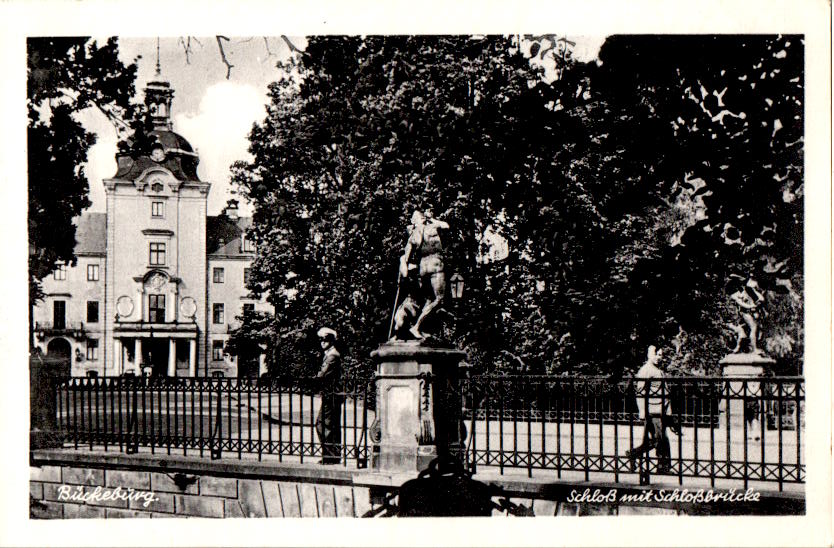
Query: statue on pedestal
(423, 254)
(418, 400)
(748, 299)
(746, 404)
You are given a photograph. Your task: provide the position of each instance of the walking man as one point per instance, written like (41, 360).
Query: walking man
(329, 420)
(652, 403)
(753, 408)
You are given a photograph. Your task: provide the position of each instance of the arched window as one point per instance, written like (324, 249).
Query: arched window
(58, 348)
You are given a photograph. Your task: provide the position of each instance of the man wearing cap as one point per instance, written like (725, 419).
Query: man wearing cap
(328, 422)
(652, 402)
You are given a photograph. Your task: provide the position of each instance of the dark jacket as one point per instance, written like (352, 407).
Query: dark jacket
(330, 372)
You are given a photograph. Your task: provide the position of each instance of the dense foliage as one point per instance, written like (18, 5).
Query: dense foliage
(634, 194)
(66, 76)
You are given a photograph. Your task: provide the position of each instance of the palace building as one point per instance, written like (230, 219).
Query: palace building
(159, 284)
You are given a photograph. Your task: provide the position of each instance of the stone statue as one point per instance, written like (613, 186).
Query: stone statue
(747, 300)
(423, 253)
(408, 311)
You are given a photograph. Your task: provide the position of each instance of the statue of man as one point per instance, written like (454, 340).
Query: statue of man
(748, 300)
(425, 250)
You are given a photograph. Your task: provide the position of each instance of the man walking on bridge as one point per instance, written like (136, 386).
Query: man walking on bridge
(652, 402)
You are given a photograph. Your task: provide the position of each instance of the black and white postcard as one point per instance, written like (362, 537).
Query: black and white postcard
(292, 272)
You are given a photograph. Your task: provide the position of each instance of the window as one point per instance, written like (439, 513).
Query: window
(92, 349)
(219, 313)
(246, 244)
(248, 309)
(157, 255)
(217, 351)
(158, 209)
(156, 308)
(59, 314)
(92, 272)
(92, 311)
(60, 272)
(247, 272)
(219, 275)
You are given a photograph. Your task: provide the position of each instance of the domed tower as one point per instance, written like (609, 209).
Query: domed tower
(161, 146)
(155, 276)
(158, 98)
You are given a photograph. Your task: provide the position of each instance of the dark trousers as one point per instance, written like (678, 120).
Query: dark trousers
(654, 437)
(329, 428)
(751, 409)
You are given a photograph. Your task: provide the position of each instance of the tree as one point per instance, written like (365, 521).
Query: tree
(372, 129)
(728, 112)
(681, 144)
(66, 76)
(612, 184)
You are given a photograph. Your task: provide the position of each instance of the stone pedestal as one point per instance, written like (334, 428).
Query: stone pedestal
(418, 404)
(44, 376)
(743, 365)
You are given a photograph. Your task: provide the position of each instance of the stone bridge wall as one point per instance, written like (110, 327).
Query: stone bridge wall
(195, 487)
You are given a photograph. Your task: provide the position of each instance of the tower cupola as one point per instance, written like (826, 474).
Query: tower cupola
(158, 98)
(159, 146)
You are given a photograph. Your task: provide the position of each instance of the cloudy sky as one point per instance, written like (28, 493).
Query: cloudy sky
(213, 113)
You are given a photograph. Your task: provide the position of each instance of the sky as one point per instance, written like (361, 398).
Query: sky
(213, 113)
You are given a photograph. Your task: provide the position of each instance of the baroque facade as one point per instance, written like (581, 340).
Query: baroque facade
(159, 284)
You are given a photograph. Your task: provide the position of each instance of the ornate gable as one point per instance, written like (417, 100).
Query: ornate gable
(157, 181)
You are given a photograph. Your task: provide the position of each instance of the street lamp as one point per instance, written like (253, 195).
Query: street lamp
(456, 284)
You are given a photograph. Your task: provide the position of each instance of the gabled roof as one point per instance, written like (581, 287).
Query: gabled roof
(90, 233)
(223, 235)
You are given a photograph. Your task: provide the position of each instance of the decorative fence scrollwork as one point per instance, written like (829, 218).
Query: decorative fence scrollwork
(731, 429)
(745, 429)
(213, 417)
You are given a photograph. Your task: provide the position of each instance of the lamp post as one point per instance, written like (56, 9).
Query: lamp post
(456, 285)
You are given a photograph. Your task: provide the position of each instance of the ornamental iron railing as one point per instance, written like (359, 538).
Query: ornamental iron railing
(217, 417)
(74, 329)
(718, 428)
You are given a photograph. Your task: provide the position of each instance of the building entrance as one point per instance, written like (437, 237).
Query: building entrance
(156, 355)
(59, 348)
(248, 366)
